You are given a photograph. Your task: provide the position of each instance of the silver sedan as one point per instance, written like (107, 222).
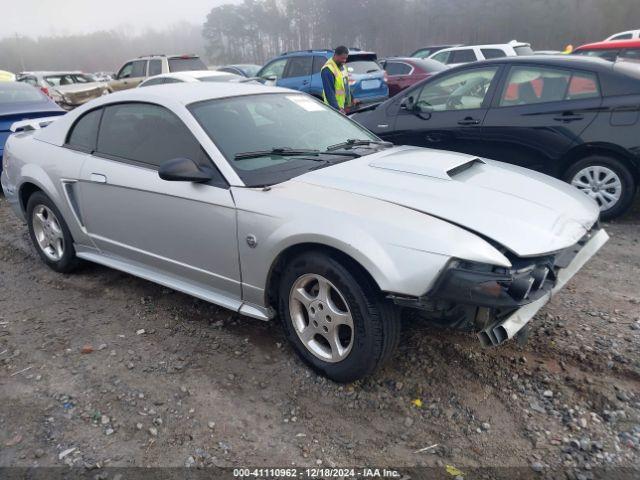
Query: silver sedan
(269, 203)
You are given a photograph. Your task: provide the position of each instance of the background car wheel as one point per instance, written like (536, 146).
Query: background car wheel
(607, 180)
(335, 317)
(50, 234)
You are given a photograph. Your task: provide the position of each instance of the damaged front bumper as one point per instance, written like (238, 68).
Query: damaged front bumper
(498, 303)
(504, 330)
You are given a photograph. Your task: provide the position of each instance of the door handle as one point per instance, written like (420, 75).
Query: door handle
(568, 117)
(469, 121)
(98, 178)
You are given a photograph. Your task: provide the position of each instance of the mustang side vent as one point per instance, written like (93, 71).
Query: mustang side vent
(69, 190)
(465, 166)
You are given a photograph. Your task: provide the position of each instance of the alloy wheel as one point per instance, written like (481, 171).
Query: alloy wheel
(48, 232)
(321, 318)
(600, 183)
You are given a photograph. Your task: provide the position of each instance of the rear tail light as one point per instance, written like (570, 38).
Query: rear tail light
(352, 82)
(45, 90)
(385, 77)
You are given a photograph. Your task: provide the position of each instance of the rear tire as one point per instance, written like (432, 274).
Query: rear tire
(50, 234)
(605, 179)
(335, 317)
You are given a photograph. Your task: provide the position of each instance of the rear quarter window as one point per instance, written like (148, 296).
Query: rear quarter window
(184, 64)
(489, 53)
(84, 133)
(462, 56)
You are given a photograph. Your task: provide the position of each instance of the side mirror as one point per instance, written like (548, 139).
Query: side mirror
(270, 80)
(408, 103)
(184, 170)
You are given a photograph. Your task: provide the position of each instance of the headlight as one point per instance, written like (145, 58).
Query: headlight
(488, 286)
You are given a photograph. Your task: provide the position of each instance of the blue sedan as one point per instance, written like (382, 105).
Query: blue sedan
(19, 101)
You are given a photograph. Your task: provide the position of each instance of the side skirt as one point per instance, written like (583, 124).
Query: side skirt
(175, 283)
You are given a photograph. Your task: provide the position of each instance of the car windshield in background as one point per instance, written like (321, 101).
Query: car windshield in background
(606, 54)
(363, 66)
(219, 78)
(523, 50)
(264, 122)
(57, 80)
(11, 92)
(250, 70)
(430, 66)
(425, 52)
(83, 79)
(185, 64)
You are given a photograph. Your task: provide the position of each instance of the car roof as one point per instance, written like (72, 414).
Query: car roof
(325, 51)
(575, 61)
(189, 93)
(52, 72)
(610, 45)
(195, 74)
(240, 65)
(166, 55)
(444, 45)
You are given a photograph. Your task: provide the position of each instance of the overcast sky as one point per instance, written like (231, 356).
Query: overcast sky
(46, 17)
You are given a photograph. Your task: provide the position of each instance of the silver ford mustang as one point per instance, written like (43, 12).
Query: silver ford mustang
(268, 203)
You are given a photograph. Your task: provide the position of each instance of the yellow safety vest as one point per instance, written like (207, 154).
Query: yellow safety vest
(341, 79)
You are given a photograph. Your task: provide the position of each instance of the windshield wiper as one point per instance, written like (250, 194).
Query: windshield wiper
(354, 142)
(278, 151)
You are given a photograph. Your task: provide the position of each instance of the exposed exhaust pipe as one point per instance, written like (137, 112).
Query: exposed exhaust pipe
(500, 332)
(487, 337)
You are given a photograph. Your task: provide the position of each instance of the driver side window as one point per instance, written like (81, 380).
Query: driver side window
(462, 91)
(274, 69)
(125, 72)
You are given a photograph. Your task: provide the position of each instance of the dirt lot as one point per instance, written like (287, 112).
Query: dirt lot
(171, 381)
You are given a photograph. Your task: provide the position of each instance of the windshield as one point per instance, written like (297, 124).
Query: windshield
(523, 50)
(185, 64)
(250, 70)
(363, 66)
(13, 92)
(425, 52)
(263, 122)
(61, 80)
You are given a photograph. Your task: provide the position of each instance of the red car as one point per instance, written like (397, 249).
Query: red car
(402, 72)
(612, 51)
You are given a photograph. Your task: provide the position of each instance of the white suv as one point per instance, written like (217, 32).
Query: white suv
(628, 35)
(135, 71)
(473, 53)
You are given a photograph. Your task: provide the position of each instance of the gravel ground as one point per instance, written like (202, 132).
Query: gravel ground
(100, 368)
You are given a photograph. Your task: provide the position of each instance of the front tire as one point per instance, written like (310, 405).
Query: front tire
(50, 234)
(605, 179)
(335, 317)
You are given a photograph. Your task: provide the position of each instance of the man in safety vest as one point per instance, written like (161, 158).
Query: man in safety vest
(335, 81)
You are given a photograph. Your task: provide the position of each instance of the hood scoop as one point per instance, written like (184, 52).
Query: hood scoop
(445, 165)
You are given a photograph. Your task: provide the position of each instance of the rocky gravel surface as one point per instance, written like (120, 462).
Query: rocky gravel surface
(100, 368)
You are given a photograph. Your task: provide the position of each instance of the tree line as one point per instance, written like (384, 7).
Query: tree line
(259, 29)
(256, 30)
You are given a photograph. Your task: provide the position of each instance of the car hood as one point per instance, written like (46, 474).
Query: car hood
(527, 212)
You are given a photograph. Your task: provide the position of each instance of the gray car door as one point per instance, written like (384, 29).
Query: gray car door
(184, 231)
